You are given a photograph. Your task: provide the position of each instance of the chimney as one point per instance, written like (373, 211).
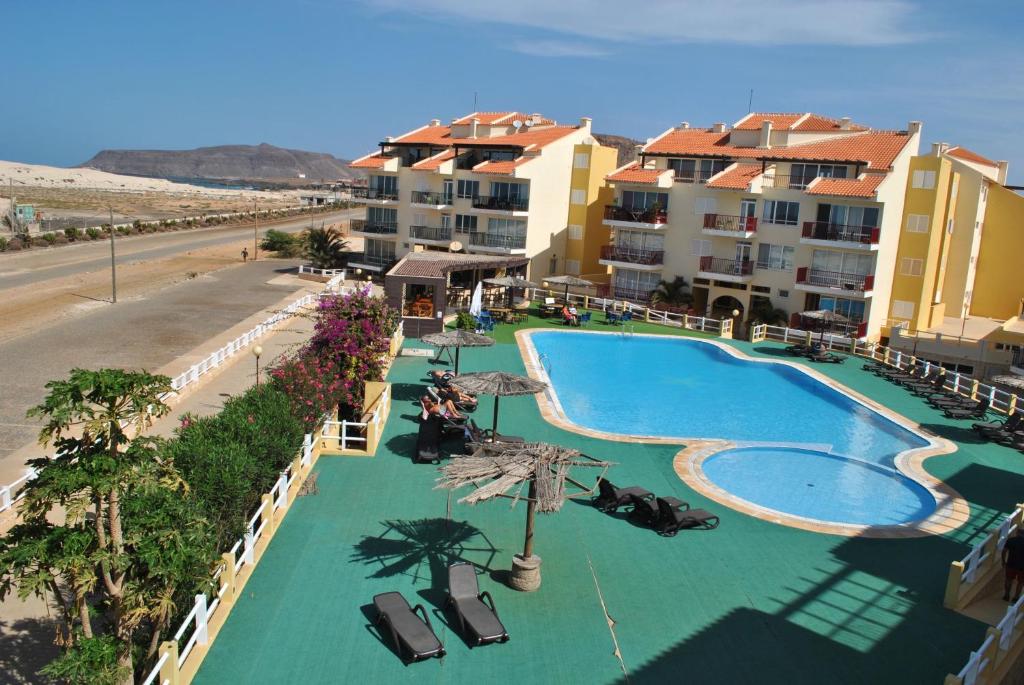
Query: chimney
(536, 118)
(472, 127)
(719, 127)
(844, 123)
(637, 150)
(684, 125)
(435, 122)
(389, 139)
(585, 123)
(914, 127)
(1004, 168)
(765, 143)
(939, 149)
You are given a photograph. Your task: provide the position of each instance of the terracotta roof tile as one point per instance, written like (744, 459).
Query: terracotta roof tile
(427, 135)
(500, 167)
(374, 161)
(632, 173)
(491, 118)
(865, 186)
(804, 122)
(438, 264)
(816, 122)
(529, 139)
(968, 156)
(736, 177)
(434, 163)
(752, 122)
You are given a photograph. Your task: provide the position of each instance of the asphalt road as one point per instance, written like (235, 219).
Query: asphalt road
(36, 266)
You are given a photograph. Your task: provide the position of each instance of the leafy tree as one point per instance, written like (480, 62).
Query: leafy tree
(763, 311)
(674, 293)
(284, 244)
(326, 248)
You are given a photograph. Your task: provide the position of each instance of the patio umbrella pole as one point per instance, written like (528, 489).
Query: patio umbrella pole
(531, 505)
(457, 348)
(494, 425)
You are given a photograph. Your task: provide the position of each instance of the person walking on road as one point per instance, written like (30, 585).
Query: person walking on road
(245, 254)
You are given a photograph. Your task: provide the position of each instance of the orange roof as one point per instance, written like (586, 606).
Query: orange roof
(374, 161)
(736, 177)
(793, 121)
(865, 186)
(752, 122)
(426, 135)
(434, 163)
(505, 166)
(633, 173)
(527, 139)
(877, 149)
(492, 118)
(816, 122)
(968, 156)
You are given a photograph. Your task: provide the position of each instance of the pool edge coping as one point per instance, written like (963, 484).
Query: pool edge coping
(951, 509)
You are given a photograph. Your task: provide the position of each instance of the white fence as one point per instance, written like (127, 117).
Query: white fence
(796, 335)
(353, 434)
(9, 494)
(659, 316)
(313, 271)
(991, 662)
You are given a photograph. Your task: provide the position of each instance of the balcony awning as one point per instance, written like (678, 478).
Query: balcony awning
(865, 186)
(735, 177)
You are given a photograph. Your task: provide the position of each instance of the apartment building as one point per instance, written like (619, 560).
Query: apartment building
(797, 210)
(498, 183)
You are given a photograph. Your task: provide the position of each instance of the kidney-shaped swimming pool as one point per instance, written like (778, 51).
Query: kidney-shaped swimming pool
(802, 442)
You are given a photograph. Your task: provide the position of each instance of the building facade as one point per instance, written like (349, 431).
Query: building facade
(499, 183)
(791, 211)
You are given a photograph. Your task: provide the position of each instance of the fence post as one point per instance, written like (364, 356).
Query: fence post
(974, 390)
(202, 633)
(169, 671)
(268, 511)
(991, 653)
(227, 577)
(951, 599)
(307, 449)
(249, 548)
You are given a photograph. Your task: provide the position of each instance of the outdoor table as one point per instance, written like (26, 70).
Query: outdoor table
(502, 313)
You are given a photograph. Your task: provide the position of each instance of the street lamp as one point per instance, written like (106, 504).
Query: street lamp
(256, 352)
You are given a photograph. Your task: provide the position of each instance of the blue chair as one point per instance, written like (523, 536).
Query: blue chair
(485, 324)
(626, 317)
(584, 318)
(611, 317)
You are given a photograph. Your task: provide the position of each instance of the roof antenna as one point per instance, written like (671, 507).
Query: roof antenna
(750, 101)
(474, 101)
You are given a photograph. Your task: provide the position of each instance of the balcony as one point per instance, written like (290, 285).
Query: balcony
(629, 217)
(431, 234)
(374, 195)
(834, 282)
(373, 227)
(497, 242)
(840, 235)
(634, 258)
(431, 200)
(501, 204)
(723, 269)
(370, 261)
(635, 295)
(694, 176)
(730, 226)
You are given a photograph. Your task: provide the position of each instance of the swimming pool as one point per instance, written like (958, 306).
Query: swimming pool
(801, 447)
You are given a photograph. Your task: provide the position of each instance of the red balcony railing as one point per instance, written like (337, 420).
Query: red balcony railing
(637, 295)
(624, 253)
(636, 215)
(731, 267)
(726, 222)
(823, 230)
(835, 279)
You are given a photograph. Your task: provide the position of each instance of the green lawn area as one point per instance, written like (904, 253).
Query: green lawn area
(750, 602)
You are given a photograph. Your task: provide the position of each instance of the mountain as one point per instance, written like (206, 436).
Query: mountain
(247, 162)
(625, 146)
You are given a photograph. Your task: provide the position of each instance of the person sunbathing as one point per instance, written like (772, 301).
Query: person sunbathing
(457, 397)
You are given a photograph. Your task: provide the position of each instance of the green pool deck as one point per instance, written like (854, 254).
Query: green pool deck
(750, 602)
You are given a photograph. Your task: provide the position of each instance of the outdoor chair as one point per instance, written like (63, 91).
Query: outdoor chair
(611, 317)
(823, 356)
(428, 440)
(478, 435)
(440, 394)
(924, 378)
(626, 317)
(1011, 424)
(950, 400)
(644, 510)
(610, 498)
(672, 518)
(798, 350)
(474, 609)
(413, 636)
(977, 411)
(584, 318)
(933, 387)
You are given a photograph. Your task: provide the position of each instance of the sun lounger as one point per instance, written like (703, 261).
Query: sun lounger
(474, 609)
(413, 636)
(428, 440)
(485, 435)
(610, 498)
(931, 388)
(644, 510)
(978, 411)
(798, 350)
(1011, 424)
(672, 518)
(829, 357)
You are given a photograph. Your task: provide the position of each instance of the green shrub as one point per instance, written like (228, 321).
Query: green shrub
(465, 321)
(72, 233)
(50, 237)
(137, 225)
(60, 239)
(284, 244)
(93, 233)
(122, 230)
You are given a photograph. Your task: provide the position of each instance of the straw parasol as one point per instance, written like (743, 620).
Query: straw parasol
(499, 384)
(824, 317)
(503, 469)
(511, 283)
(1011, 381)
(574, 281)
(458, 339)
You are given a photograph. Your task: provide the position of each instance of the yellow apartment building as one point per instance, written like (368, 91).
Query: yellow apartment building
(586, 234)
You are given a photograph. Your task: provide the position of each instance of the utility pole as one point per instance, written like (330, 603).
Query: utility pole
(113, 259)
(255, 231)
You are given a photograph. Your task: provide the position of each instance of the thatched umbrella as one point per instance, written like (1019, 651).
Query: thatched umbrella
(510, 283)
(503, 469)
(458, 339)
(824, 317)
(573, 281)
(499, 384)
(1016, 382)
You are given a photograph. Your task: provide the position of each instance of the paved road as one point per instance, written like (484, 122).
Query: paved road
(146, 333)
(35, 266)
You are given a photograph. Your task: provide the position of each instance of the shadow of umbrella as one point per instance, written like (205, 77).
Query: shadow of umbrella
(423, 549)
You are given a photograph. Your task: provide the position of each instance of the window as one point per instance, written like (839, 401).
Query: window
(902, 309)
(924, 179)
(381, 215)
(781, 212)
(918, 223)
(775, 257)
(851, 309)
(761, 289)
(446, 220)
(950, 226)
(575, 232)
(641, 281)
(581, 161)
(418, 301)
(800, 175)
(578, 197)
(446, 191)
(638, 199)
(841, 262)
(783, 293)
(694, 170)
(465, 223)
(572, 266)
(379, 251)
(701, 248)
(553, 264)
(846, 215)
(510, 191)
(469, 189)
(506, 227)
(640, 241)
(704, 205)
(911, 267)
(384, 185)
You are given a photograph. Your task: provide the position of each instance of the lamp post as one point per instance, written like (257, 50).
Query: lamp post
(256, 352)
(255, 232)
(113, 260)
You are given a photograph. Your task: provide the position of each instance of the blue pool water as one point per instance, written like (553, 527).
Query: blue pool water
(677, 387)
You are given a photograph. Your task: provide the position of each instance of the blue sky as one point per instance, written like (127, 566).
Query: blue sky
(337, 77)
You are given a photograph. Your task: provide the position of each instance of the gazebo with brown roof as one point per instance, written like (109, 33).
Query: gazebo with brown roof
(420, 284)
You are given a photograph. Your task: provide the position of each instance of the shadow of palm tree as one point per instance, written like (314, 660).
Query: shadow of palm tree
(423, 549)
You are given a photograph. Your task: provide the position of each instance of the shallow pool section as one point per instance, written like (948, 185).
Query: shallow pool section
(819, 486)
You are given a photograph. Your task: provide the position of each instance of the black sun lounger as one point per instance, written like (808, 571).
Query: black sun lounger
(413, 637)
(610, 498)
(673, 518)
(975, 411)
(1011, 424)
(475, 610)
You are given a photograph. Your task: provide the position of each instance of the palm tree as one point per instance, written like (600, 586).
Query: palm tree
(763, 311)
(325, 248)
(674, 293)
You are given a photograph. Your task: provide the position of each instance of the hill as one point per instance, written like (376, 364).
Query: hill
(247, 162)
(625, 146)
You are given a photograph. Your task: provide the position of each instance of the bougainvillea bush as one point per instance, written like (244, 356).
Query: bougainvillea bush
(313, 385)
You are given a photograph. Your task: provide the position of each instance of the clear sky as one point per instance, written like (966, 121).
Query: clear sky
(337, 76)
